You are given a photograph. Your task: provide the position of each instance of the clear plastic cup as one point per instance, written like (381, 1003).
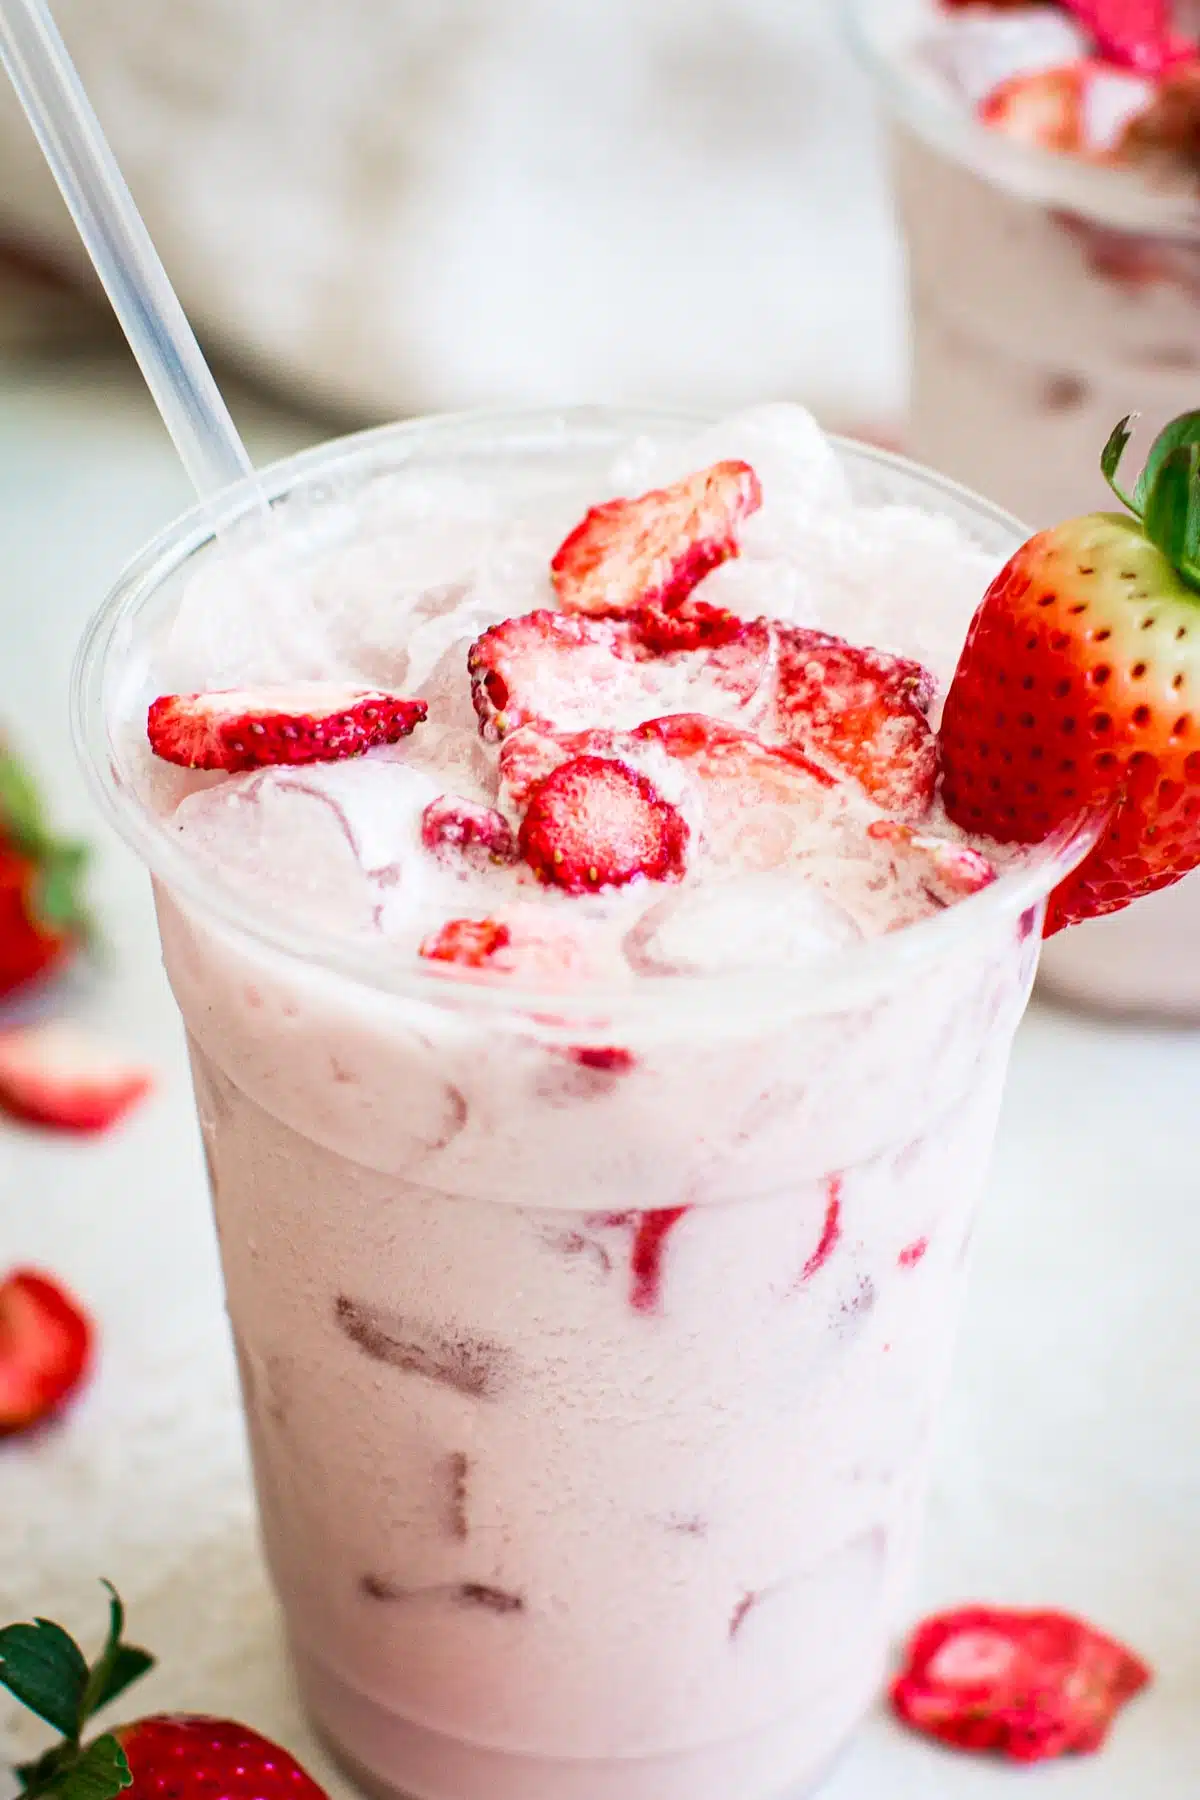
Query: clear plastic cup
(1047, 301)
(591, 1342)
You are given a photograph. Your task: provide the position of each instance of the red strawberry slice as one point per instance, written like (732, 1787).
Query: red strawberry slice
(555, 672)
(945, 872)
(861, 710)
(57, 1074)
(246, 728)
(471, 943)
(43, 920)
(1078, 688)
(1029, 1685)
(652, 551)
(1137, 34)
(459, 831)
(597, 823)
(45, 1348)
(717, 752)
(1045, 110)
(693, 626)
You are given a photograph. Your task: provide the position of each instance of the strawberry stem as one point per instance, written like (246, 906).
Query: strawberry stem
(44, 1668)
(1166, 497)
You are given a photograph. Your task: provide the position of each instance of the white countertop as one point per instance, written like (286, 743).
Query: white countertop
(1070, 1465)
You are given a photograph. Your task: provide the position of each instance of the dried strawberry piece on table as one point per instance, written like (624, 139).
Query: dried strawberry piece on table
(1026, 1685)
(861, 710)
(597, 823)
(46, 1347)
(653, 550)
(249, 728)
(58, 1074)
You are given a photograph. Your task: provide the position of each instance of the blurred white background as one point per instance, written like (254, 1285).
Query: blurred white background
(396, 205)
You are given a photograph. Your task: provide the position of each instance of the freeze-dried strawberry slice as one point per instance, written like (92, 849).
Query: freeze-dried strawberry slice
(56, 1074)
(247, 728)
(471, 943)
(1045, 109)
(553, 671)
(716, 751)
(653, 550)
(46, 1342)
(459, 831)
(1030, 1685)
(596, 823)
(693, 626)
(525, 945)
(861, 710)
(943, 871)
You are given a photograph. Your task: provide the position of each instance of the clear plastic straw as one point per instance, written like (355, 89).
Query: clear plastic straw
(118, 243)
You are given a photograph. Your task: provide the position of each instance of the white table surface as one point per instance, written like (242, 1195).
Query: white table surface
(1070, 1464)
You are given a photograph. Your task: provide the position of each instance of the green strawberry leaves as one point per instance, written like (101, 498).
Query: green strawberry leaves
(44, 1668)
(1166, 497)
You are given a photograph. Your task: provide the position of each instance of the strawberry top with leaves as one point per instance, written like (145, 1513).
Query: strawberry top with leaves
(1078, 688)
(184, 1755)
(43, 919)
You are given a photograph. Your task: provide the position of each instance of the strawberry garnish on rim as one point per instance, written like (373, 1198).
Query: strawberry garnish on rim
(249, 728)
(1027, 1685)
(1078, 688)
(652, 551)
(181, 1755)
(1136, 34)
(46, 1343)
(597, 823)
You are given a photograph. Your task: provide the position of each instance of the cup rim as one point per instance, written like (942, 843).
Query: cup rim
(854, 970)
(1120, 199)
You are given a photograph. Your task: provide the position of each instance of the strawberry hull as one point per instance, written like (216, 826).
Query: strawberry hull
(590, 1368)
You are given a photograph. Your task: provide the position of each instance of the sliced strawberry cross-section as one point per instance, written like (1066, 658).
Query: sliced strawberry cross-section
(693, 626)
(652, 551)
(471, 943)
(945, 872)
(597, 823)
(862, 711)
(247, 728)
(556, 672)
(460, 831)
(57, 1074)
(1029, 1685)
(45, 1348)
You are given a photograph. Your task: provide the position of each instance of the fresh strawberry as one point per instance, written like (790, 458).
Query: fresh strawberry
(56, 1074)
(864, 712)
(459, 831)
(471, 943)
(597, 823)
(42, 918)
(1135, 34)
(246, 728)
(945, 872)
(1030, 1685)
(168, 1756)
(652, 551)
(1078, 688)
(45, 1349)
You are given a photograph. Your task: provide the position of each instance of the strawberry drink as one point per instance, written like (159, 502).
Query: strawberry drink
(1047, 164)
(598, 1024)
(1047, 167)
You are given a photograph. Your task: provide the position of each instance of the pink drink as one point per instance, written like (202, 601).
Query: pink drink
(1049, 298)
(592, 1332)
